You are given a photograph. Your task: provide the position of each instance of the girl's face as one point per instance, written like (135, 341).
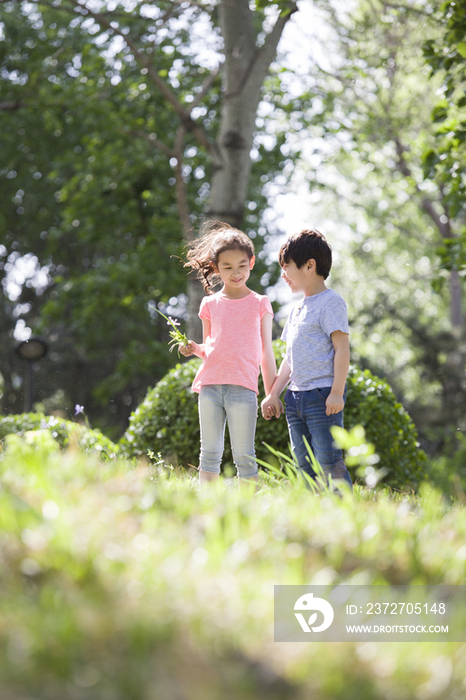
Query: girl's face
(234, 268)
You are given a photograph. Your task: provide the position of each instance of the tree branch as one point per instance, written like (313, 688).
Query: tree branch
(257, 69)
(11, 106)
(163, 87)
(181, 189)
(409, 8)
(209, 81)
(157, 143)
(267, 52)
(193, 3)
(445, 231)
(426, 204)
(177, 152)
(239, 36)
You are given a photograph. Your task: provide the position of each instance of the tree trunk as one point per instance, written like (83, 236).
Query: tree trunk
(244, 70)
(456, 315)
(195, 294)
(239, 106)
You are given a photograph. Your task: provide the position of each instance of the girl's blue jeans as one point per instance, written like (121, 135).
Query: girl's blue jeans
(237, 405)
(306, 418)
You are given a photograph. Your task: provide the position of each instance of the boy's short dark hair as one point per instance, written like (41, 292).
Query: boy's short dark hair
(306, 245)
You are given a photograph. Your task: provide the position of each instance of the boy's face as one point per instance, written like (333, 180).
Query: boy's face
(297, 278)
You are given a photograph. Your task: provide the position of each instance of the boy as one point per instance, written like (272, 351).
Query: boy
(317, 357)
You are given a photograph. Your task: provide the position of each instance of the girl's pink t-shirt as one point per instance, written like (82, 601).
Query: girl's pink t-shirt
(233, 349)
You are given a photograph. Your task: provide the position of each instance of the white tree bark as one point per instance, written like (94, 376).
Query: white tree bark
(243, 73)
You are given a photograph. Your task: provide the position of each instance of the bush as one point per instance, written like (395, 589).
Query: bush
(167, 422)
(61, 430)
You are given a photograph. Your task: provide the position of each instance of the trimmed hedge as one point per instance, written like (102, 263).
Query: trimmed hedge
(61, 430)
(167, 422)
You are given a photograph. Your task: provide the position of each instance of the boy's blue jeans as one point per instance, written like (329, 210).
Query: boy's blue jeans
(237, 405)
(306, 418)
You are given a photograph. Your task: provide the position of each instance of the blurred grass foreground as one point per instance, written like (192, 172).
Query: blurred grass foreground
(119, 581)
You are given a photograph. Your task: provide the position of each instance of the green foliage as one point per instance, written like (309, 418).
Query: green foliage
(167, 422)
(285, 6)
(372, 404)
(373, 104)
(448, 471)
(445, 161)
(127, 583)
(359, 454)
(93, 204)
(64, 433)
(88, 191)
(448, 55)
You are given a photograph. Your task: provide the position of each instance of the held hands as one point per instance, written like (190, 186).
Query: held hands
(271, 406)
(335, 403)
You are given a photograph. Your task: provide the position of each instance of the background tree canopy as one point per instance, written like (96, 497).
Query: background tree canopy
(124, 123)
(372, 113)
(445, 160)
(106, 172)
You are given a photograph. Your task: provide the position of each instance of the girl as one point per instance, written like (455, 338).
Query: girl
(237, 332)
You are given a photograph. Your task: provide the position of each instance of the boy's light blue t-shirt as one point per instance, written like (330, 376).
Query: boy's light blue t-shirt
(309, 347)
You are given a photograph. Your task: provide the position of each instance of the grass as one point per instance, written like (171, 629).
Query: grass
(120, 581)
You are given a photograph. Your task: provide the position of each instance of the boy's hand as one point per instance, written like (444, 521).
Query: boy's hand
(271, 406)
(335, 403)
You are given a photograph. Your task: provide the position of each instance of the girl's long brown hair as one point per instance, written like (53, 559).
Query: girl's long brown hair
(215, 237)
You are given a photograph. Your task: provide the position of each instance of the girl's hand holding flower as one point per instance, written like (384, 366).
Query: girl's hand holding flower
(177, 337)
(192, 348)
(187, 350)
